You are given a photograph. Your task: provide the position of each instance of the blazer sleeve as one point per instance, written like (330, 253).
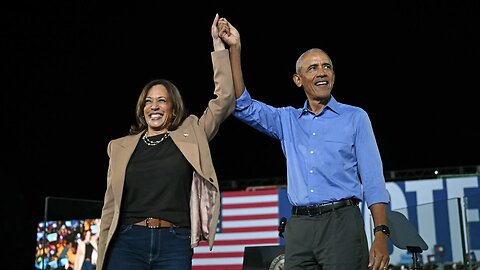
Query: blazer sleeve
(223, 104)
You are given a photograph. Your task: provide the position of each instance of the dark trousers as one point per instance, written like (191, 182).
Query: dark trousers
(331, 241)
(142, 248)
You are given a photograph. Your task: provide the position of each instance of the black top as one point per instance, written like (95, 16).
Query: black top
(158, 183)
(88, 252)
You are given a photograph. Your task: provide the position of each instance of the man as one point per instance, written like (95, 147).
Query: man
(333, 163)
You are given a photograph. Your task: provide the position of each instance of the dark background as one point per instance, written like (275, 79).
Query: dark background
(73, 71)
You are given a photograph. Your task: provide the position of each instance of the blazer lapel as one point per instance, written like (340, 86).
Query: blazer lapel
(185, 141)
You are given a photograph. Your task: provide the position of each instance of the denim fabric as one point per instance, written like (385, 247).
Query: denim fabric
(137, 247)
(88, 266)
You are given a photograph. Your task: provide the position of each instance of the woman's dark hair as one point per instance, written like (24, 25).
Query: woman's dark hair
(179, 110)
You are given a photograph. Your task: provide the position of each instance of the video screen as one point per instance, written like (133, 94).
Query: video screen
(67, 244)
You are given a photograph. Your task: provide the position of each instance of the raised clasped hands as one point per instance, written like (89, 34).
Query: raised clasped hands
(222, 29)
(219, 28)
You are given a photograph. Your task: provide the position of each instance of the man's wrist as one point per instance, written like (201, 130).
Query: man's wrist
(382, 228)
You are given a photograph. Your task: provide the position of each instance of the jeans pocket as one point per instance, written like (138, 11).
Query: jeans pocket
(124, 228)
(180, 233)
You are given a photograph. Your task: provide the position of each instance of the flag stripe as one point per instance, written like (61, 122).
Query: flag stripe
(249, 211)
(218, 267)
(260, 216)
(249, 235)
(218, 255)
(247, 241)
(258, 193)
(252, 204)
(251, 229)
(248, 223)
(215, 261)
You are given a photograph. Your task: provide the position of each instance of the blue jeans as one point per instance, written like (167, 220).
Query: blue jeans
(137, 247)
(88, 266)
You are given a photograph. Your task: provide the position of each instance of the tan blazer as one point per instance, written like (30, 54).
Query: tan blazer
(192, 138)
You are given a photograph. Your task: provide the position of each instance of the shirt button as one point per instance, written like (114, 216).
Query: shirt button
(311, 152)
(311, 190)
(311, 171)
(314, 133)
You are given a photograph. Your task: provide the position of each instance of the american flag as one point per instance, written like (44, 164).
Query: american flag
(248, 218)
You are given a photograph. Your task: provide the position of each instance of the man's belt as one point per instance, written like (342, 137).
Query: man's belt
(318, 209)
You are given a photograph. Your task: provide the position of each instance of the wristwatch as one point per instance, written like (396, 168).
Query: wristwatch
(382, 228)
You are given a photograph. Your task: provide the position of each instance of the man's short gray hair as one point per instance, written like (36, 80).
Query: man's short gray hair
(298, 65)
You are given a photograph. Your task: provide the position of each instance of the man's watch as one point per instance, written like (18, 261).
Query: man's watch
(382, 228)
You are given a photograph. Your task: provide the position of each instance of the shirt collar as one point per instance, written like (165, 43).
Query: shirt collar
(332, 105)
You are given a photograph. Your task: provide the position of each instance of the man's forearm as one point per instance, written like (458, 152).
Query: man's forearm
(235, 61)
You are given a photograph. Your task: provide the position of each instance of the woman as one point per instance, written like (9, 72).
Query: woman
(162, 194)
(86, 256)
